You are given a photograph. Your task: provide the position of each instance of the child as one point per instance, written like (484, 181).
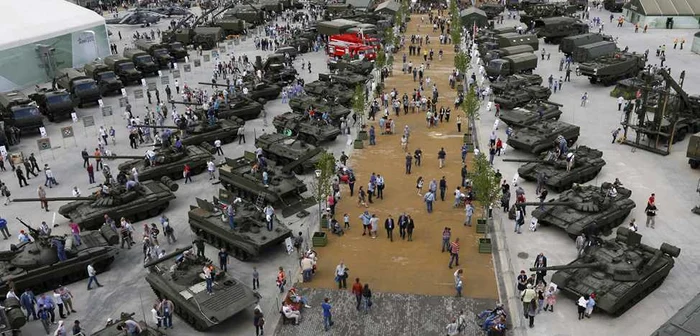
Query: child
(256, 278)
(346, 220)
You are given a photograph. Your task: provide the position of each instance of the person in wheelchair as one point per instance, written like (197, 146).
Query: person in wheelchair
(335, 228)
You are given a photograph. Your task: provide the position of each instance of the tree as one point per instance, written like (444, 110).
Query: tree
(485, 185)
(462, 60)
(359, 100)
(470, 106)
(380, 61)
(456, 25)
(322, 186)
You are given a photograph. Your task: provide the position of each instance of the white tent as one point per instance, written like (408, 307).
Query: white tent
(71, 35)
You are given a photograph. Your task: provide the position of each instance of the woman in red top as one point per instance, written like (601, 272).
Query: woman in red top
(281, 280)
(499, 146)
(187, 173)
(357, 291)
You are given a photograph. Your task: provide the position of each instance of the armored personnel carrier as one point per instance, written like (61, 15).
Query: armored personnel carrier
(310, 131)
(588, 162)
(360, 67)
(514, 82)
(36, 264)
(554, 29)
(111, 328)
(337, 92)
(178, 277)
(294, 154)
(169, 162)
(335, 111)
(685, 321)
(522, 96)
(531, 113)
(587, 209)
(250, 238)
(492, 10)
(244, 177)
(146, 200)
(621, 272)
(541, 136)
(225, 130)
(609, 69)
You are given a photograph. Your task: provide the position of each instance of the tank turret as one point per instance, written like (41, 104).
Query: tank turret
(294, 154)
(620, 272)
(311, 131)
(542, 135)
(111, 328)
(531, 113)
(335, 111)
(225, 130)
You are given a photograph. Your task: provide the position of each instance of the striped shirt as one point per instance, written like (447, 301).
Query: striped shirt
(454, 247)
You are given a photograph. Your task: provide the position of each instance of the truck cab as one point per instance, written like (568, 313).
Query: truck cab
(82, 88)
(106, 79)
(158, 51)
(17, 110)
(124, 68)
(177, 50)
(143, 61)
(54, 104)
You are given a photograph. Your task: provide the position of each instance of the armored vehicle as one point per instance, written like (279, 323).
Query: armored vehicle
(542, 135)
(609, 69)
(588, 162)
(17, 110)
(553, 29)
(231, 26)
(178, 277)
(250, 238)
(336, 92)
(360, 67)
(589, 52)
(515, 39)
(107, 80)
(693, 152)
(12, 318)
(522, 96)
(295, 155)
(244, 178)
(146, 200)
(586, 209)
(569, 43)
(225, 130)
(335, 111)
(621, 272)
(511, 65)
(169, 162)
(507, 51)
(349, 79)
(492, 10)
(259, 91)
(580, 4)
(111, 328)
(238, 107)
(274, 69)
(206, 37)
(311, 131)
(54, 104)
(143, 61)
(614, 5)
(36, 264)
(546, 10)
(177, 50)
(302, 45)
(684, 322)
(138, 17)
(124, 68)
(531, 113)
(82, 89)
(158, 51)
(514, 82)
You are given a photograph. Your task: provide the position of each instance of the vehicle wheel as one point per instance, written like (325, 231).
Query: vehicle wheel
(51, 117)
(299, 170)
(680, 135)
(153, 212)
(694, 164)
(572, 141)
(312, 140)
(593, 80)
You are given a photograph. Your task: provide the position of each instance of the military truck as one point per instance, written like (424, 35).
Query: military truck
(143, 61)
(589, 52)
(124, 68)
(249, 13)
(107, 80)
(82, 88)
(17, 110)
(177, 50)
(515, 39)
(158, 51)
(511, 65)
(492, 10)
(609, 69)
(553, 29)
(580, 4)
(54, 104)
(507, 51)
(614, 5)
(568, 44)
(693, 152)
(231, 26)
(514, 82)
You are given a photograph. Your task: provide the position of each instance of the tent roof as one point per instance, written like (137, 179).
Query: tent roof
(390, 5)
(472, 10)
(27, 21)
(665, 7)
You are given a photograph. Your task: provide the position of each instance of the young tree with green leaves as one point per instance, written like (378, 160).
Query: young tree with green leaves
(486, 186)
(359, 101)
(380, 61)
(322, 186)
(456, 24)
(470, 106)
(462, 60)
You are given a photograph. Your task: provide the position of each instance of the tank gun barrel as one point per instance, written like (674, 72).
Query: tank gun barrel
(168, 256)
(526, 160)
(54, 199)
(117, 157)
(213, 84)
(155, 126)
(32, 231)
(551, 103)
(565, 267)
(183, 102)
(545, 203)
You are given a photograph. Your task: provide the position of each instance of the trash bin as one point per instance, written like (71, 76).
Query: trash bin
(358, 144)
(320, 239)
(362, 135)
(481, 225)
(485, 245)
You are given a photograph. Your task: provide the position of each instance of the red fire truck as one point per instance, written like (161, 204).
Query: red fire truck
(342, 44)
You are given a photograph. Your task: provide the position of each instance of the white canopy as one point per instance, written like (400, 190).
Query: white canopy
(26, 21)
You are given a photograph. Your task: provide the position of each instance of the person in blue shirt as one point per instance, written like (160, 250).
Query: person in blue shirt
(27, 300)
(47, 303)
(326, 306)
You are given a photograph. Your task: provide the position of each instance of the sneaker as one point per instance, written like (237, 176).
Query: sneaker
(307, 306)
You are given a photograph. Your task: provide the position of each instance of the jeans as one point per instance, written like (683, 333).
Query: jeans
(445, 244)
(231, 222)
(256, 283)
(367, 305)
(459, 291)
(429, 204)
(442, 194)
(469, 220)
(210, 283)
(168, 319)
(454, 257)
(517, 227)
(372, 140)
(358, 297)
(342, 281)
(93, 279)
(31, 311)
(76, 238)
(269, 224)
(327, 323)
(306, 275)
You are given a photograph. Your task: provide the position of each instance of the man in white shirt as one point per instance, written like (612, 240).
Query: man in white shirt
(290, 313)
(217, 144)
(92, 274)
(211, 167)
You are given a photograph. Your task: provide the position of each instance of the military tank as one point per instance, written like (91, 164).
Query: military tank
(35, 264)
(685, 320)
(225, 130)
(256, 91)
(297, 156)
(12, 318)
(346, 78)
(311, 131)
(541, 136)
(621, 272)
(237, 107)
(531, 113)
(250, 238)
(243, 177)
(169, 162)
(522, 96)
(335, 111)
(146, 200)
(586, 209)
(588, 162)
(339, 93)
(111, 328)
(360, 67)
(178, 277)
(514, 82)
